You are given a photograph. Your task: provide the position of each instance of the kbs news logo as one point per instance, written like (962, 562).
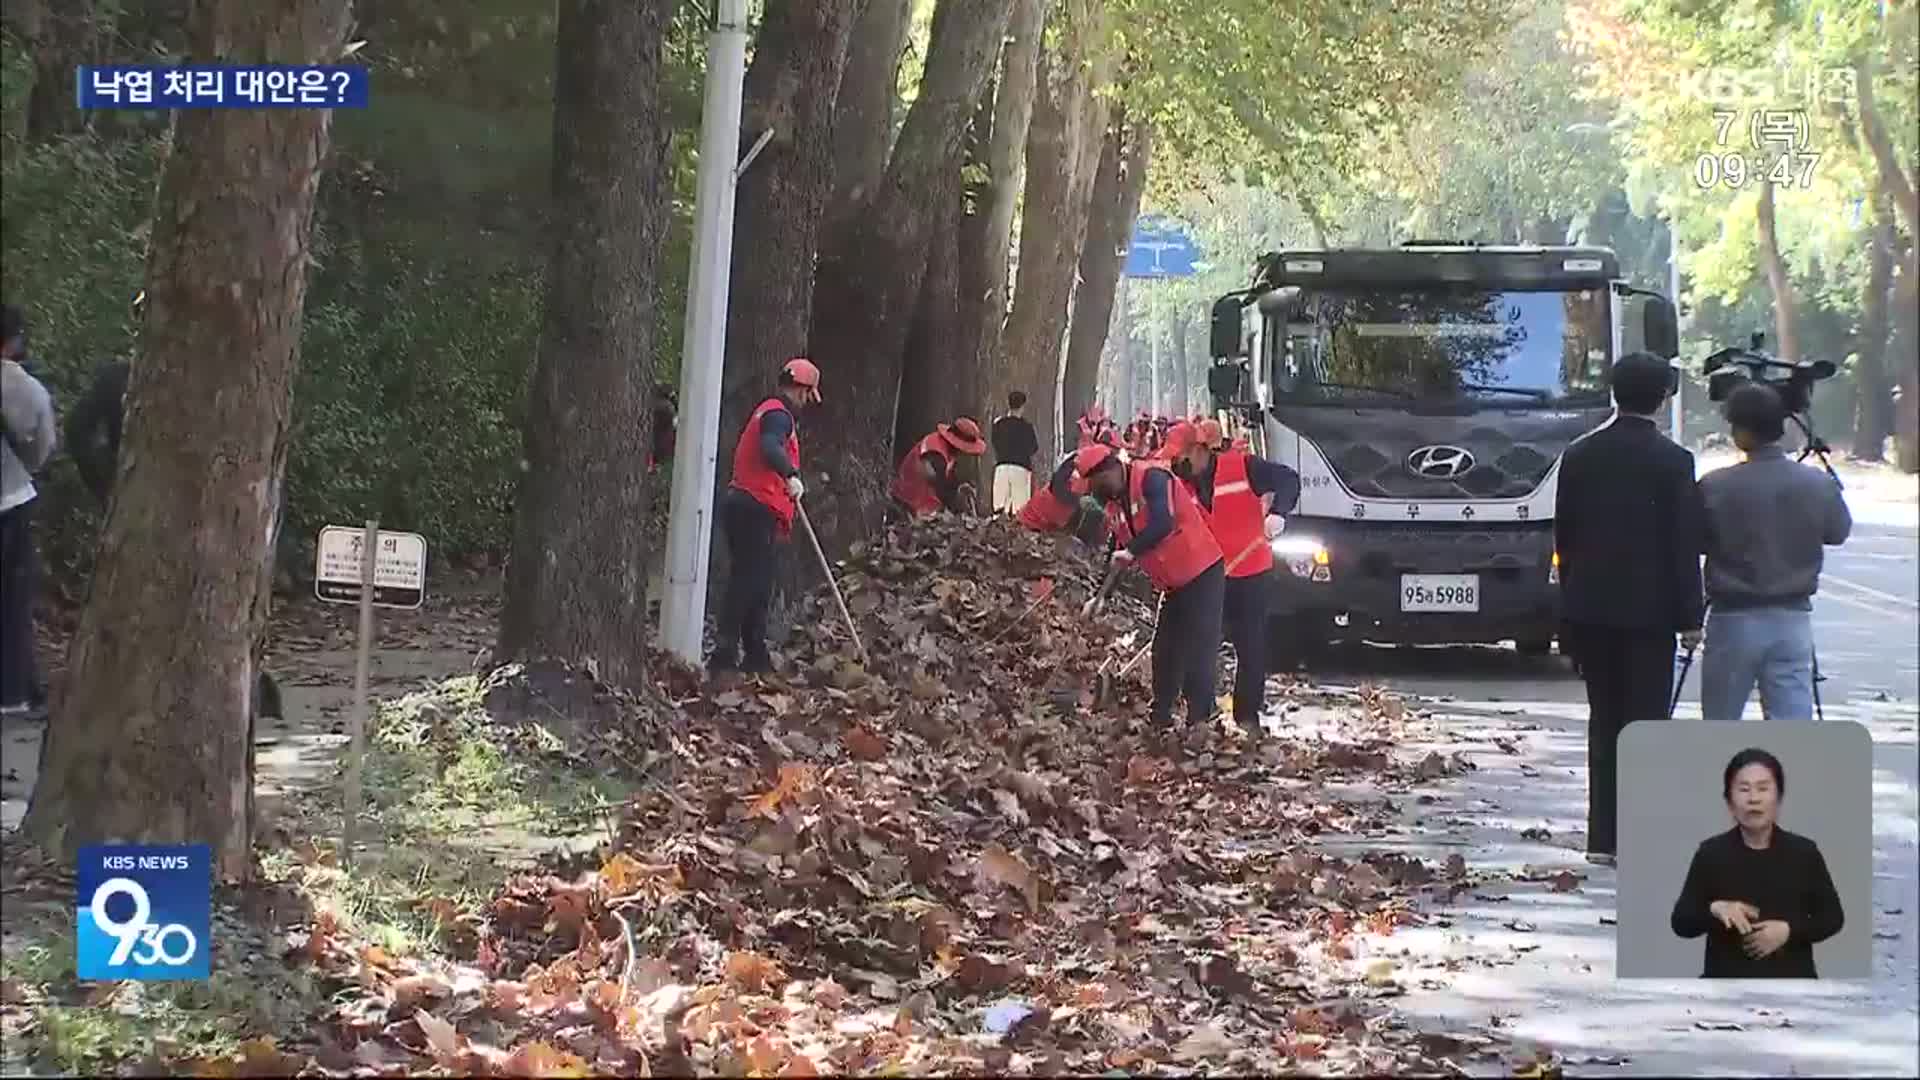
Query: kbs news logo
(143, 912)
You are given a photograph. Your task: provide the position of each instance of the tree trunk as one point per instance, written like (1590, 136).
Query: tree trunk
(934, 387)
(957, 349)
(154, 743)
(799, 56)
(1903, 357)
(577, 583)
(1873, 393)
(867, 283)
(864, 109)
(1006, 159)
(1063, 154)
(1786, 335)
(1892, 177)
(1117, 188)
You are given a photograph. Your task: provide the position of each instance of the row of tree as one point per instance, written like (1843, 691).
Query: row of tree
(882, 248)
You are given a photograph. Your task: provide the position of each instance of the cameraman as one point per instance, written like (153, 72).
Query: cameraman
(1768, 519)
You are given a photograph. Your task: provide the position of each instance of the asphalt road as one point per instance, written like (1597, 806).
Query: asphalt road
(1537, 964)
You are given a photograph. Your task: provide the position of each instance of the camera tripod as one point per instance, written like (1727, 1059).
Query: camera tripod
(1817, 448)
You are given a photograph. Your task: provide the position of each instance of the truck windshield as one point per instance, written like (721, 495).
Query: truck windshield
(1436, 345)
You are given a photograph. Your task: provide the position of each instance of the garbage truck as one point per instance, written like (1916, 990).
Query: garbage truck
(1425, 394)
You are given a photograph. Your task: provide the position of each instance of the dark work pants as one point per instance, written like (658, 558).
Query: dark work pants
(1245, 620)
(19, 582)
(1629, 677)
(751, 549)
(1186, 648)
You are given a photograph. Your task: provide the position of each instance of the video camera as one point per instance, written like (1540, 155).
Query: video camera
(1733, 367)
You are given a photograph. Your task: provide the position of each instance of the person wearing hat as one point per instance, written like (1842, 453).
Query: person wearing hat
(1162, 530)
(1239, 493)
(1095, 427)
(757, 515)
(1058, 507)
(929, 478)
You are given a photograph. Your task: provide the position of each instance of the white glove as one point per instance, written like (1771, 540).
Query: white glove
(1122, 557)
(1275, 525)
(795, 488)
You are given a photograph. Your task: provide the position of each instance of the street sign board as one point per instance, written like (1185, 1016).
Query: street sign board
(1160, 248)
(399, 574)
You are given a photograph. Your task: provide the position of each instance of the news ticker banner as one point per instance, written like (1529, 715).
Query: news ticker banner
(143, 912)
(266, 86)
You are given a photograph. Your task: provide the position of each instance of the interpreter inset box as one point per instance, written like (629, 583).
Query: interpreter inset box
(1746, 850)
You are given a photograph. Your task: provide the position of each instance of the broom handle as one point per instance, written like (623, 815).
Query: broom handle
(827, 569)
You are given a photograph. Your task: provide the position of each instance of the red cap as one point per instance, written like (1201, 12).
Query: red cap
(963, 435)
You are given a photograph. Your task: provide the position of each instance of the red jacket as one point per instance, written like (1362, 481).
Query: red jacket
(1188, 551)
(911, 487)
(1239, 518)
(753, 475)
(1045, 511)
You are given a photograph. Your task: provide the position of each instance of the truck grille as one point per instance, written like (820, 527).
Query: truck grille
(1368, 449)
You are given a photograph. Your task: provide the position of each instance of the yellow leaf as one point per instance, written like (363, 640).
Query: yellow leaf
(621, 873)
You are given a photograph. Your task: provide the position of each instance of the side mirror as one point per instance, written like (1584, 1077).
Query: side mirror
(1226, 337)
(1661, 328)
(1227, 384)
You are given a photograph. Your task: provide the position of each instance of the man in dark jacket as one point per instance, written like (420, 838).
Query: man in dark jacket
(1628, 527)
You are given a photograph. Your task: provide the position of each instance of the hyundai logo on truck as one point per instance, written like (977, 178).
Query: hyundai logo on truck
(1439, 462)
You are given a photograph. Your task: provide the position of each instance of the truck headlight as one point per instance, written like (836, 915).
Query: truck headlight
(1307, 558)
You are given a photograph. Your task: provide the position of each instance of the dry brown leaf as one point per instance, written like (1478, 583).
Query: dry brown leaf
(800, 1065)
(413, 990)
(539, 1059)
(1206, 1041)
(753, 972)
(1002, 867)
(262, 1057)
(441, 1036)
(863, 745)
(762, 1057)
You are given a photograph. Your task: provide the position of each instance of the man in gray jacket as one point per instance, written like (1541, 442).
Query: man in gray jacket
(26, 419)
(1769, 519)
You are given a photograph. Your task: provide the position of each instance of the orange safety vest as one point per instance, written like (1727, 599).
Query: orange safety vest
(1045, 511)
(1239, 518)
(753, 475)
(912, 488)
(1187, 552)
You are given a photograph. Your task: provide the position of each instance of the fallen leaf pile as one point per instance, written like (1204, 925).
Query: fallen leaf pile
(943, 861)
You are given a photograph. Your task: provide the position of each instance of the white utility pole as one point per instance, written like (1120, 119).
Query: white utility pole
(1673, 294)
(683, 608)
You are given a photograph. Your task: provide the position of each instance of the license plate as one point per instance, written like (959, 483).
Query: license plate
(1439, 592)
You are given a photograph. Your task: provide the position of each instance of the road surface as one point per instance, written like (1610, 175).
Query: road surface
(1552, 978)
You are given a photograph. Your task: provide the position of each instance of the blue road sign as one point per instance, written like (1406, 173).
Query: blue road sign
(1160, 248)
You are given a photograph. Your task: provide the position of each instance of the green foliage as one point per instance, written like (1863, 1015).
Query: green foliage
(424, 309)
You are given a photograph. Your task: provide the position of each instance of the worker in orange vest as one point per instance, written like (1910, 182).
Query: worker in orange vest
(1239, 493)
(1162, 530)
(1089, 424)
(928, 478)
(757, 514)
